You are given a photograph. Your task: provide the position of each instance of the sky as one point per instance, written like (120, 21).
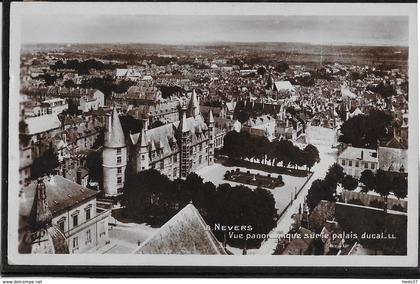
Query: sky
(177, 29)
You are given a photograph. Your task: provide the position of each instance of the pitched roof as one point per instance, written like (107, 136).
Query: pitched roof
(284, 85)
(43, 123)
(345, 92)
(393, 159)
(185, 233)
(353, 153)
(61, 194)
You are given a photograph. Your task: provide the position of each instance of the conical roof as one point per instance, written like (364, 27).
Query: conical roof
(142, 140)
(193, 106)
(40, 215)
(115, 136)
(183, 127)
(40, 235)
(211, 118)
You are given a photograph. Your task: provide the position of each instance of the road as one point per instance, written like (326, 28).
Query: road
(327, 158)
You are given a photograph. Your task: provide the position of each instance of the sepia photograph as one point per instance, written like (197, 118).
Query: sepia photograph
(234, 134)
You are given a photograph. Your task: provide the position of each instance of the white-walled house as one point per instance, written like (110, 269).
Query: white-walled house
(355, 160)
(74, 211)
(92, 100)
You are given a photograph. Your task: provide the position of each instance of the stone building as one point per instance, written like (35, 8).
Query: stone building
(67, 208)
(175, 149)
(355, 160)
(114, 156)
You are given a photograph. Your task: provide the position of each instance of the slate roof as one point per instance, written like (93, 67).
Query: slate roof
(114, 137)
(165, 136)
(393, 159)
(43, 123)
(61, 194)
(284, 85)
(185, 233)
(353, 153)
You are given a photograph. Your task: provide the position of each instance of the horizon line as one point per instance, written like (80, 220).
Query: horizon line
(220, 43)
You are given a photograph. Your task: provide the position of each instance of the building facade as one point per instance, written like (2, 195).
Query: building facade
(73, 211)
(176, 149)
(114, 156)
(356, 160)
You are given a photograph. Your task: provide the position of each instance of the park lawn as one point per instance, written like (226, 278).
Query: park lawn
(282, 194)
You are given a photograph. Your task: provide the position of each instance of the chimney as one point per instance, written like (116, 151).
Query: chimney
(145, 123)
(79, 176)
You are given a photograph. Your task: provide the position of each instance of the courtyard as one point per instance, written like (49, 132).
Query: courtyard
(282, 194)
(248, 178)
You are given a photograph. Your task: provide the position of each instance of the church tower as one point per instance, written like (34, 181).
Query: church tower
(184, 140)
(114, 156)
(211, 138)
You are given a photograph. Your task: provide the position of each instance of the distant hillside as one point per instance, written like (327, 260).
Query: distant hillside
(293, 53)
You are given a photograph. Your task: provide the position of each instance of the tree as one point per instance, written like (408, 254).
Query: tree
(311, 156)
(368, 179)
(383, 184)
(399, 186)
(335, 174)
(366, 130)
(44, 164)
(350, 183)
(281, 66)
(261, 71)
(318, 191)
(151, 197)
(243, 116)
(94, 166)
(69, 83)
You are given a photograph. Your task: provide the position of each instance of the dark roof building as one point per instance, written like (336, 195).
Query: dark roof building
(185, 233)
(40, 235)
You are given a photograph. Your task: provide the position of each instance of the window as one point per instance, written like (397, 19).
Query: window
(343, 162)
(88, 237)
(119, 151)
(175, 158)
(350, 163)
(200, 159)
(366, 165)
(87, 214)
(372, 166)
(142, 157)
(118, 160)
(119, 170)
(162, 164)
(175, 172)
(61, 225)
(119, 180)
(357, 164)
(75, 243)
(75, 220)
(191, 150)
